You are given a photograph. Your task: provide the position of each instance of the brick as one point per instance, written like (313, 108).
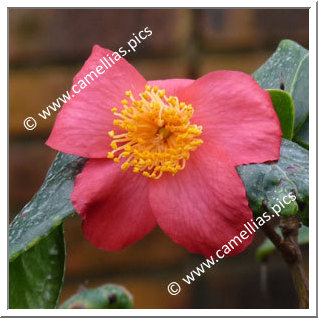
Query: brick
(28, 165)
(228, 29)
(69, 34)
(31, 91)
(275, 25)
(171, 31)
(223, 30)
(244, 62)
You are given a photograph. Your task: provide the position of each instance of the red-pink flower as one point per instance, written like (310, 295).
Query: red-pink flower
(164, 152)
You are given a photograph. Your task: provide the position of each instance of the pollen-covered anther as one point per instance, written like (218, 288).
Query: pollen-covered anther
(154, 134)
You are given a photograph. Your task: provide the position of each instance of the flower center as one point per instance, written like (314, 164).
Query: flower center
(164, 132)
(156, 134)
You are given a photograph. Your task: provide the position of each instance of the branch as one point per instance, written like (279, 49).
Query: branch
(290, 251)
(290, 227)
(279, 242)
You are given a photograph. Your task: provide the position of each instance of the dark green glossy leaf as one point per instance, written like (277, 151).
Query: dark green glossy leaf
(284, 108)
(302, 136)
(267, 247)
(285, 61)
(48, 208)
(104, 297)
(294, 161)
(289, 64)
(267, 184)
(304, 214)
(300, 93)
(36, 276)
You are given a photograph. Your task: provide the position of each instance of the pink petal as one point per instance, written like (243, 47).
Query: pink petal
(83, 122)
(236, 114)
(205, 205)
(114, 205)
(173, 86)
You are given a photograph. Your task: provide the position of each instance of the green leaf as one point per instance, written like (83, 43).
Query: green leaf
(302, 136)
(36, 276)
(104, 297)
(50, 206)
(294, 161)
(304, 214)
(267, 184)
(267, 247)
(290, 64)
(284, 108)
(300, 93)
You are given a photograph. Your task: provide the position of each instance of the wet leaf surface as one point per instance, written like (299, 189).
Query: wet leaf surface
(267, 184)
(36, 276)
(50, 206)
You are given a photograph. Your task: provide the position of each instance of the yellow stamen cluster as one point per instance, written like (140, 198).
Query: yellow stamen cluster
(158, 135)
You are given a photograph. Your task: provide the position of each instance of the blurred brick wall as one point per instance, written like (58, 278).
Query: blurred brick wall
(48, 47)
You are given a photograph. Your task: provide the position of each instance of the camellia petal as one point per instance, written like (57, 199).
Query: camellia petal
(174, 86)
(205, 205)
(236, 114)
(82, 123)
(176, 142)
(114, 205)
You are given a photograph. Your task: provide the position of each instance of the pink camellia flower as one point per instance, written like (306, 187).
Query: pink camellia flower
(164, 152)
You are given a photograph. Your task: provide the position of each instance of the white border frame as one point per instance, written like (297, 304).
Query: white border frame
(312, 160)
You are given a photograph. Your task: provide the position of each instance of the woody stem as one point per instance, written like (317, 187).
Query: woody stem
(291, 253)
